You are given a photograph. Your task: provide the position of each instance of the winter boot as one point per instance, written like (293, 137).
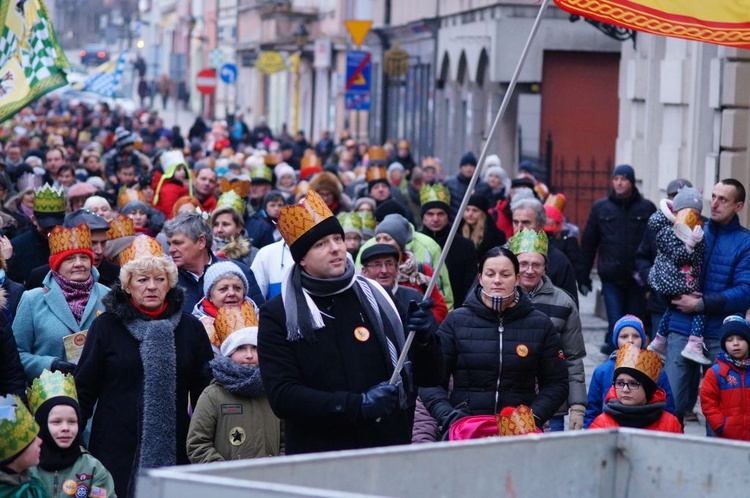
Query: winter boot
(694, 350)
(659, 345)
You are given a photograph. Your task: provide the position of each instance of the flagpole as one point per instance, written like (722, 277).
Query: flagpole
(475, 177)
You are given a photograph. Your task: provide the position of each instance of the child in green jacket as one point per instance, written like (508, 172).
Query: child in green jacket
(19, 451)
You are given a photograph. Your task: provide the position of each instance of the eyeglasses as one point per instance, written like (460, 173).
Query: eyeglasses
(632, 385)
(534, 266)
(380, 264)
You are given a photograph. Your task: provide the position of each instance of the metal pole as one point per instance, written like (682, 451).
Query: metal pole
(474, 179)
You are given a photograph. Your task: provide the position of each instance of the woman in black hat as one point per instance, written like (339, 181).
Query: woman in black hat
(478, 227)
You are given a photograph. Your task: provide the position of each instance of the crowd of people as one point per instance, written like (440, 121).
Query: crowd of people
(224, 294)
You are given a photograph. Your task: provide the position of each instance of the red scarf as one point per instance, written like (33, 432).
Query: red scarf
(151, 314)
(209, 308)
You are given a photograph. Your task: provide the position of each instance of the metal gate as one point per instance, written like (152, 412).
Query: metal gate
(582, 181)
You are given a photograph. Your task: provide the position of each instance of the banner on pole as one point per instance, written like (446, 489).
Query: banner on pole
(31, 61)
(106, 80)
(722, 22)
(358, 80)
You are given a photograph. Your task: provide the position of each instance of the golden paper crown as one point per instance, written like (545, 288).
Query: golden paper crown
(129, 194)
(240, 186)
(529, 241)
(434, 193)
(310, 159)
(66, 239)
(120, 226)
(376, 155)
(645, 361)
(350, 222)
(260, 173)
(518, 423)
(375, 173)
(556, 200)
(17, 427)
(368, 222)
(142, 246)
(270, 160)
(50, 385)
(296, 220)
(229, 320)
(231, 200)
(49, 199)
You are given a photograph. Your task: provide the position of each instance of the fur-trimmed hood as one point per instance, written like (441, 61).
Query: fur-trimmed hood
(327, 181)
(117, 302)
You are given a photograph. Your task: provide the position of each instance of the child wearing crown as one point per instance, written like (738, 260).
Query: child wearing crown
(635, 400)
(65, 467)
(19, 450)
(233, 419)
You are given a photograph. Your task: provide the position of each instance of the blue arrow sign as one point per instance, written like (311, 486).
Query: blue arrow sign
(228, 73)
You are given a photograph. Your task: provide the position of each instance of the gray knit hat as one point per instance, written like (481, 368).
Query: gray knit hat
(397, 227)
(221, 269)
(688, 197)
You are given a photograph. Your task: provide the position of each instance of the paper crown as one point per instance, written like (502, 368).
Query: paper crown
(142, 246)
(50, 385)
(63, 239)
(296, 220)
(28, 180)
(350, 222)
(376, 173)
(556, 200)
(310, 160)
(270, 160)
(17, 427)
(49, 200)
(376, 155)
(239, 184)
(230, 320)
(644, 361)
(434, 193)
(516, 421)
(261, 174)
(129, 194)
(368, 223)
(120, 226)
(231, 200)
(529, 241)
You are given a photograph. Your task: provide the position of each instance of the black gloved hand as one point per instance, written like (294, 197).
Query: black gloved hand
(378, 401)
(418, 319)
(65, 367)
(450, 419)
(584, 289)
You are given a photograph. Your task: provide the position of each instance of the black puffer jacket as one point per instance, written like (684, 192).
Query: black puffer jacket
(531, 350)
(615, 227)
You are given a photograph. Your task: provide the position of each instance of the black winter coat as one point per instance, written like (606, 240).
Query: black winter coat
(615, 228)
(561, 273)
(110, 373)
(492, 237)
(569, 246)
(12, 376)
(316, 387)
(644, 260)
(461, 262)
(531, 351)
(30, 249)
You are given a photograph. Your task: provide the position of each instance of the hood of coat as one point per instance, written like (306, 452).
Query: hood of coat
(117, 302)
(522, 308)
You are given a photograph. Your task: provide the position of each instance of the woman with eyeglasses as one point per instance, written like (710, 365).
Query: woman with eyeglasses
(635, 400)
(499, 350)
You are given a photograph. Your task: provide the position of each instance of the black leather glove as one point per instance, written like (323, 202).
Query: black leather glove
(378, 401)
(65, 367)
(418, 319)
(455, 415)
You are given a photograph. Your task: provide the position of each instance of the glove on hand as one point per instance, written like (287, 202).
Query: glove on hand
(695, 237)
(418, 320)
(450, 419)
(65, 367)
(378, 401)
(584, 289)
(575, 417)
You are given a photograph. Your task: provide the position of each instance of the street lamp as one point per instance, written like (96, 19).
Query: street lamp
(300, 39)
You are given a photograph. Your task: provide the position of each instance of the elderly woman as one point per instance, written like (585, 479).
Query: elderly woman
(478, 227)
(500, 351)
(99, 205)
(68, 303)
(143, 360)
(224, 286)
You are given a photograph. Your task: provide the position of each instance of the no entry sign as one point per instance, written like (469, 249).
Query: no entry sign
(205, 81)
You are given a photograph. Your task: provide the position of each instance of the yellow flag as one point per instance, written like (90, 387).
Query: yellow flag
(723, 22)
(31, 61)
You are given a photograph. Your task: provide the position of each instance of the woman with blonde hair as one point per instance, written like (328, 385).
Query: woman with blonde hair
(478, 227)
(143, 360)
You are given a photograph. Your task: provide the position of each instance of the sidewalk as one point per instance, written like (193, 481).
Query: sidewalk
(594, 329)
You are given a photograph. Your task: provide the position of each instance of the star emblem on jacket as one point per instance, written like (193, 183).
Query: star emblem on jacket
(237, 436)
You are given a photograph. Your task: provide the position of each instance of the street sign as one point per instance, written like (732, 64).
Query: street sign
(228, 73)
(215, 57)
(358, 78)
(205, 81)
(270, 62)
(358, 30)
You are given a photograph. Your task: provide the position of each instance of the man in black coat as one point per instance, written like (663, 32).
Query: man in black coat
(12, 376)
(614, 231)
(329, 344)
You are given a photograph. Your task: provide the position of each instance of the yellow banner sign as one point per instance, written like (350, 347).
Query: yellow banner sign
(723, 22)
(270, 62)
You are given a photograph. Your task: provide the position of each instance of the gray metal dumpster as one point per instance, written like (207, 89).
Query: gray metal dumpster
(596, 464)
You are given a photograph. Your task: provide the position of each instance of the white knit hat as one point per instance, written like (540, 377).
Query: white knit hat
(241, 337)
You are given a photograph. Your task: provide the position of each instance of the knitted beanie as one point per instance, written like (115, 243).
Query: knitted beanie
(397, 227)
(241, 337)
(734, 325)
(625, 170)
(688, 197)
(629, 321)
(480, 202)
(221, 269)
(55, 260)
